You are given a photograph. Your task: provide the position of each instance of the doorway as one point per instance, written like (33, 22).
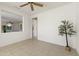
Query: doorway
(34, 28)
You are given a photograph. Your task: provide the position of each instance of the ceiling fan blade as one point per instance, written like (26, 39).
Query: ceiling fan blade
(24, 5)
(31, 7)
(37, 4)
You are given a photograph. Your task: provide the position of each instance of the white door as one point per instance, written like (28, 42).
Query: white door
(34, 28)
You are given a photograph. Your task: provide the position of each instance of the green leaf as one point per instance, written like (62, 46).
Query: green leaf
(66, 27)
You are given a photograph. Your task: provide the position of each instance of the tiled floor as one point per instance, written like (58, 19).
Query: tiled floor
(33, 47)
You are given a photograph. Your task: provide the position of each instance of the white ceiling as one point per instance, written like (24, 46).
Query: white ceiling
(46, 6)
(9, 16)
(13, 17)
(26, 9)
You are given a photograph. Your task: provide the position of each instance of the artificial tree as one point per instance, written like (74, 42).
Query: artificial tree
(66, 28)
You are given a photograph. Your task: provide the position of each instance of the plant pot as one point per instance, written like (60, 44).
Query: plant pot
(68, 48)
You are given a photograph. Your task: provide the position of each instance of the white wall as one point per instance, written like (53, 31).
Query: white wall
(49, 21)
(77, 21)
(9, 38)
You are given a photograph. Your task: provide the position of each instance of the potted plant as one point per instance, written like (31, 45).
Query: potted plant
(65, 29)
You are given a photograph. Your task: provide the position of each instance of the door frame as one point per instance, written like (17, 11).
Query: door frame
(35, 18)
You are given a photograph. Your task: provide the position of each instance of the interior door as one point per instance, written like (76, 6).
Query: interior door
(34, 28)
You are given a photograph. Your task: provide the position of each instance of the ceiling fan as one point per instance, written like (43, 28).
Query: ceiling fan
(31, 5)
